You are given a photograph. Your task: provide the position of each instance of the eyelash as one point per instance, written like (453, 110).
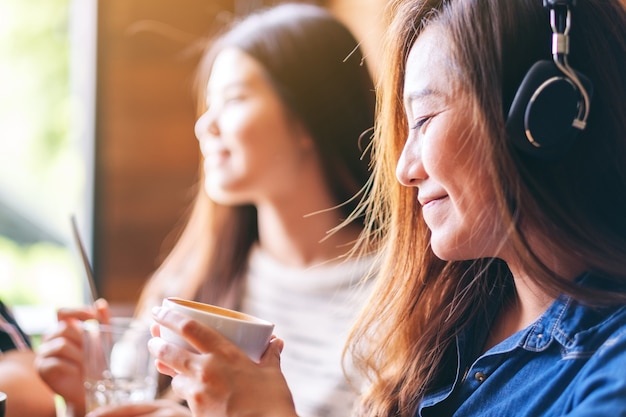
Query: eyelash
(420, 122)
(236, 97)
(229, 99)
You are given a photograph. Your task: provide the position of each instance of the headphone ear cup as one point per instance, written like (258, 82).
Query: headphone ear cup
(543, 110)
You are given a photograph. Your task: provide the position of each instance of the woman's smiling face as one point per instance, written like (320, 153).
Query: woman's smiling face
(251, 145)
(441, 159)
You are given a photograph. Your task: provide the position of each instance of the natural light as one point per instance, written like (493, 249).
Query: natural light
(44, 168)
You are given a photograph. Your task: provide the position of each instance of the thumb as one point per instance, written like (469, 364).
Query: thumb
(102, 310)
(271, 357)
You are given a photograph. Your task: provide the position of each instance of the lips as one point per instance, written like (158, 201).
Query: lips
(213, 150)
(215, 159)
(425, 200)
(209, 147)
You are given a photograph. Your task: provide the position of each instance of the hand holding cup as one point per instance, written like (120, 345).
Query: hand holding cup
(250, 334)
(215, 374)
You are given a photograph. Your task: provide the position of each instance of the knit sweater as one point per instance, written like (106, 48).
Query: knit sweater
(313, 309)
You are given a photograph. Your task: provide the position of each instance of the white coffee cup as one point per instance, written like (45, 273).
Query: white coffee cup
(249, 333)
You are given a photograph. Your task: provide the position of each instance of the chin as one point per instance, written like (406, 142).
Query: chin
(443, 256)
(447, 251)
(440, 253)
(216, 194)
(458, 253)
(225, 197)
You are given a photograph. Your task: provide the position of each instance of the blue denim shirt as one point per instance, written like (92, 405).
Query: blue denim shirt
(570, 362)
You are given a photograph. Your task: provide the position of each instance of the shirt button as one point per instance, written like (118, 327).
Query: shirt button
(479, 376)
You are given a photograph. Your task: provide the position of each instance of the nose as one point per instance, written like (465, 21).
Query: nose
(206, 125)
(410, 169)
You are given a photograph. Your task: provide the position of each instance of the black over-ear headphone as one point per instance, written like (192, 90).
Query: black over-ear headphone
(552, 103)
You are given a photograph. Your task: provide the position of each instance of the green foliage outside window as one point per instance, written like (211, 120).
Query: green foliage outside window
(41, 171)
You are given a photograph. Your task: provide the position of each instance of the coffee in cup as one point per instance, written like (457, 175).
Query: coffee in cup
(249, 333)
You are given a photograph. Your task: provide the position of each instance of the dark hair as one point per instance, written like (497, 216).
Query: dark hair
(405, 338)
(580, 196)
(317, 68)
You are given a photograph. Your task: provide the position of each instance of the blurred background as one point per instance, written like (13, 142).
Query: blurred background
(43, 163)
(96, 120)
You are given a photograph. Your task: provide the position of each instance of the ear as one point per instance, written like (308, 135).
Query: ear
(302, 135)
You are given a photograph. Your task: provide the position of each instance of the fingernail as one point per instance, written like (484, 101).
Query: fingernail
(157, 311)
(155, 344)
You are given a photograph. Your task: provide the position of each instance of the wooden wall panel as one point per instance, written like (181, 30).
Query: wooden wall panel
(147, 155)
(366, 19)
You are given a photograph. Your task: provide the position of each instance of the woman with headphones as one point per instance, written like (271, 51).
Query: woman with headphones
(499, 196)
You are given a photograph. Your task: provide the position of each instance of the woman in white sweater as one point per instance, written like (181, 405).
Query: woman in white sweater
(286, 106)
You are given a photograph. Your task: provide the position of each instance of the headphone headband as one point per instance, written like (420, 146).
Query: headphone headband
(556, 3)
(552, 103)
(561, 15)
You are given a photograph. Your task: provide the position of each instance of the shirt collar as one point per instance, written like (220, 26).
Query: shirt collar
(566, 322)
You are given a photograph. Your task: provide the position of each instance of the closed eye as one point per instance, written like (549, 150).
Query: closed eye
(421, 122)
(234, 98)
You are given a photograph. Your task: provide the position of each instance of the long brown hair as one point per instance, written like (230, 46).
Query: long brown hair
(405, 340)
(318, 70)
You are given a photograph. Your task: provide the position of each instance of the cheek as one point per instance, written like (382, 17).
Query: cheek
(236, 125)
(265, 148)
(254, 124)
(483, 218)
(247, 137)
(437, 161)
